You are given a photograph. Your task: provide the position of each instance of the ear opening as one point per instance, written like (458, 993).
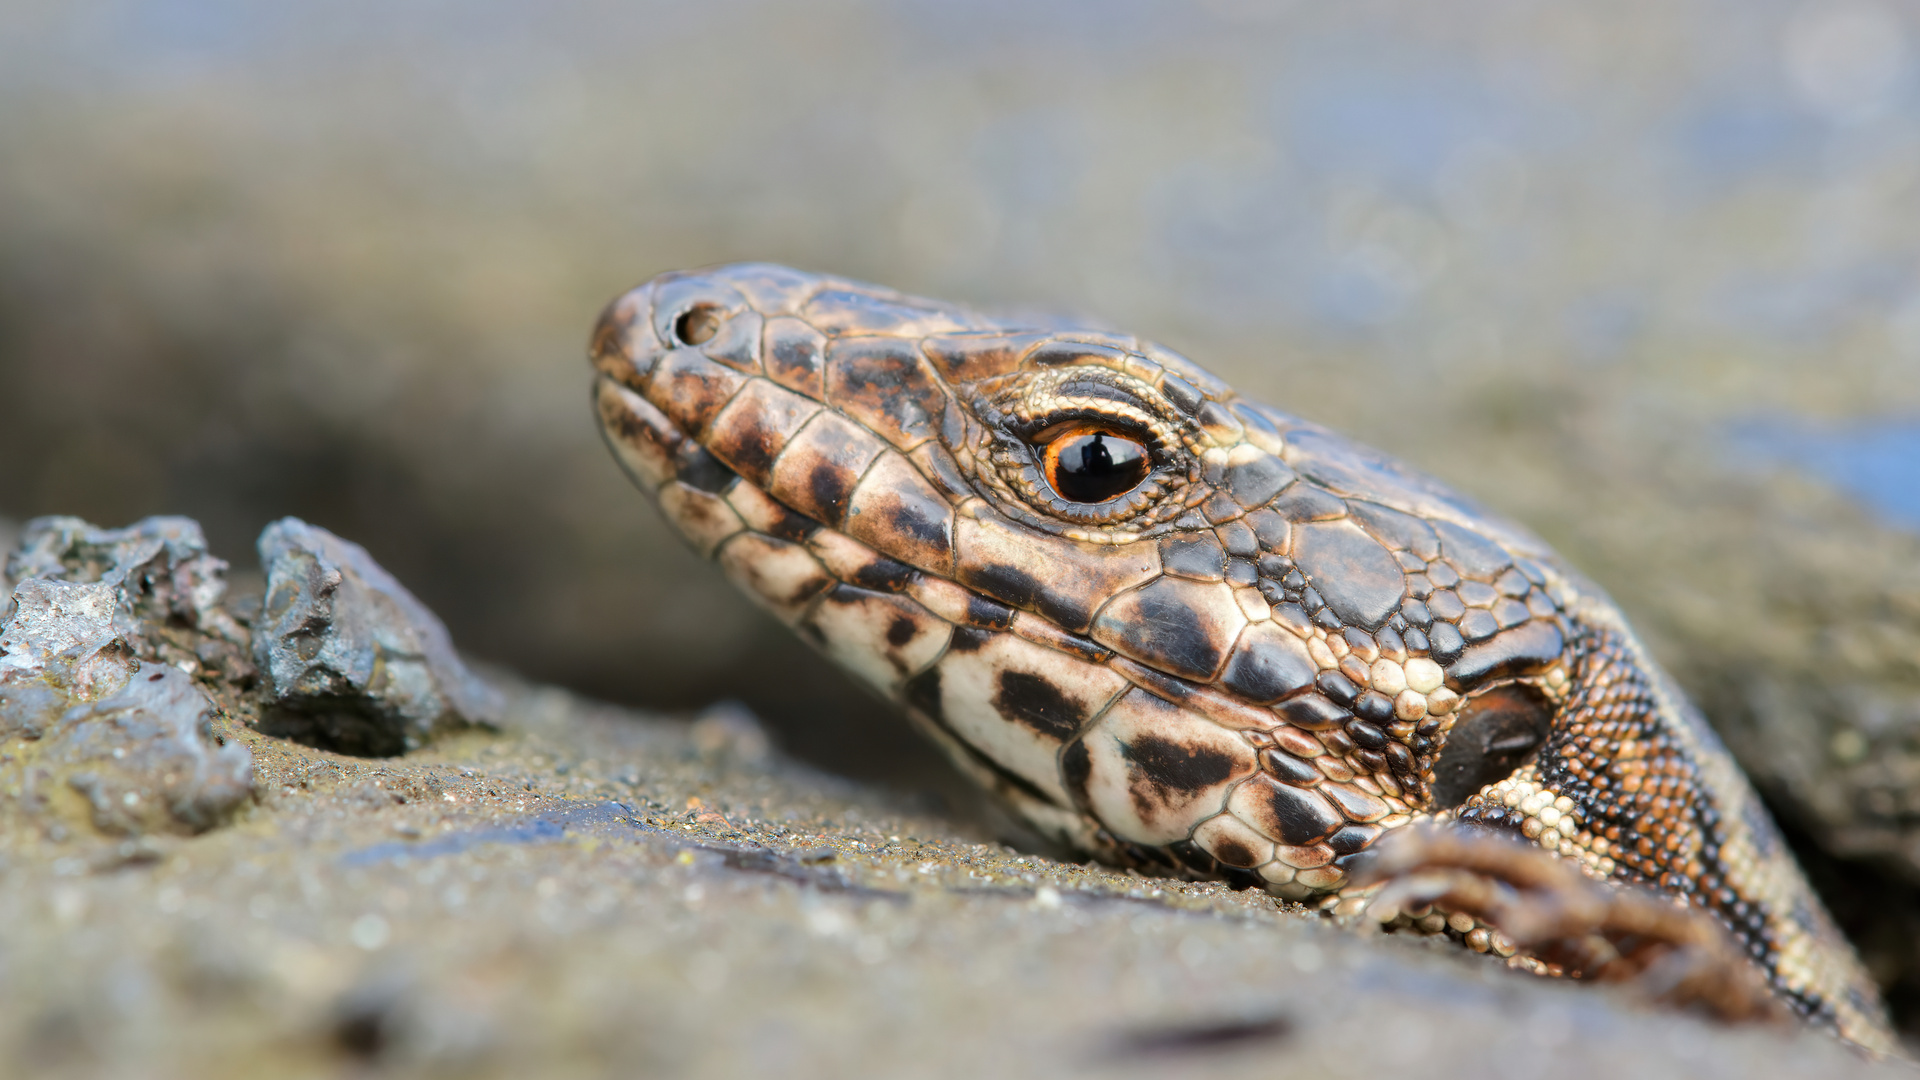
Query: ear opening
(1498, 730)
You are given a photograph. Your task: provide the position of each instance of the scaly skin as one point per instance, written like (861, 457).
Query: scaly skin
(1278, 648)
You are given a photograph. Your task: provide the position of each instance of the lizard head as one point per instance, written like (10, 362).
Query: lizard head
(1160, 621)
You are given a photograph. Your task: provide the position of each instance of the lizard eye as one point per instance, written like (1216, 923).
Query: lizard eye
(1092, 465)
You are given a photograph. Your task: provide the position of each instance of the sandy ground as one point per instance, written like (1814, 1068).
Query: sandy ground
(590, 891)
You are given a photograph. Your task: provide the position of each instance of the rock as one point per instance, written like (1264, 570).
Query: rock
(63, 636)
(145, 759)
(160, 564)
(350, 660)
(132, 741)
(169, 589)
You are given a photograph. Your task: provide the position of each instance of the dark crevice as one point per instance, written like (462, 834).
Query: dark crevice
(344, 725)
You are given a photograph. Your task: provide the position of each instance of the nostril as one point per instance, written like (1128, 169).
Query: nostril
(698, 324)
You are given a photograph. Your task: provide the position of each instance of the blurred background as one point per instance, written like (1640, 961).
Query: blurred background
(1643, 274)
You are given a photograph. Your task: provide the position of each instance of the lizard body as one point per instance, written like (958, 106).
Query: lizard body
(1173, 628)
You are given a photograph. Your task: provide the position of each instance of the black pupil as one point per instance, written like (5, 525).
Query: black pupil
(1097, 467)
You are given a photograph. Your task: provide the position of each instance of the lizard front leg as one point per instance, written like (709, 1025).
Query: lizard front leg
(1570, 924)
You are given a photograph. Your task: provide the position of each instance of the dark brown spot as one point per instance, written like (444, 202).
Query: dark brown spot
(1008, 584)
(630, 418)
(755, 425)
(1170, 766)
(1034, 701)
(922, 692)
(821, 465)
(1234, 853)
(691, 389)
(986, 614)
(1286, 813)
(1075, 353)
(1076, 768)
(609, 344)
(788, 525)
(750, 446)
(966, 639)
(831, 486)
(911, 519)
(1284, 766)
(879, 382)
(882, 574)
(900, 631)
(1353, 838)
(702, 471)
(1178, 626)
(795, 354)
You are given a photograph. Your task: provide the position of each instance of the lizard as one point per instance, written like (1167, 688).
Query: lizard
(1181, 631)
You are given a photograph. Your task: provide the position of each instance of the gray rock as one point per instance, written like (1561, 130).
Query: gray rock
(160, 565)
(350, 660)
(133, 741)
(145, 759)
(63, 636)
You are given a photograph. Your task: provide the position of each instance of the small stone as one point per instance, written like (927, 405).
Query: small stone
(351, 661)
